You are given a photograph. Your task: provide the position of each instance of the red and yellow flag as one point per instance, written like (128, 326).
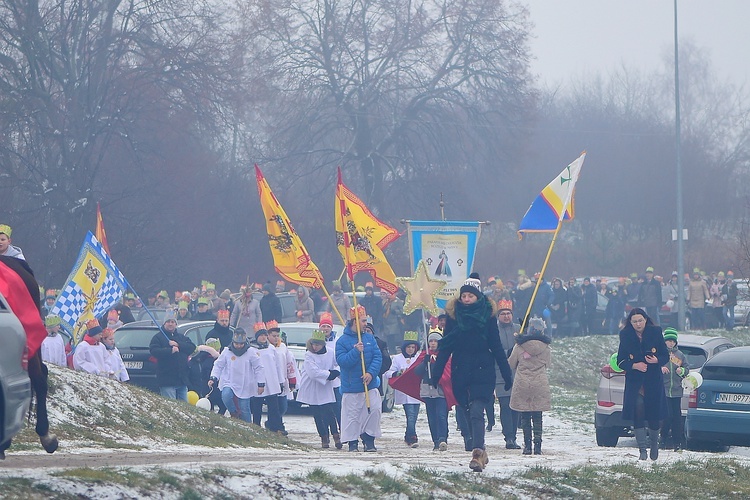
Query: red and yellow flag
(290, 258)
(362, 242)
(100, 234)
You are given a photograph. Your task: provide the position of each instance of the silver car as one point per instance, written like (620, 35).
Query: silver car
(608, 420)
(14, 379)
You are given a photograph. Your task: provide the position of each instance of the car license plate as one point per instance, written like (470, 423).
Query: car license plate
(723, 397)
(133, 365)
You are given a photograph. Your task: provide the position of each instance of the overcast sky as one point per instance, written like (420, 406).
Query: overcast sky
(581, 37)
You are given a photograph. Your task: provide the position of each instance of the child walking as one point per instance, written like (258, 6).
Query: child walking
(674, 371)
(401, 363)
(316, 388)
(434, 398)
(531, 394)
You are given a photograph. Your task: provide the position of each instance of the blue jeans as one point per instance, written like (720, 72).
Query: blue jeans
(174, 392)
(437, 418)
(729, 315)
(227, 395)
(411, 411)
(508, 419)
(283, 405)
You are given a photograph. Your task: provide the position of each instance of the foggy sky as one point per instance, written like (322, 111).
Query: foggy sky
(580, 37)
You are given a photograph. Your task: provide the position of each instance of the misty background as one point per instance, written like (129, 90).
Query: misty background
(159, 109)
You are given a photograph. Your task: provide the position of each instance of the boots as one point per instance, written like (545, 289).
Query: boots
(641, 439)
(537, 433)
(49, 442)
(369, 443)
(477, 459)
(526, 426)
(654, 443)
(354, 445)
(325, 442)
(337, 441)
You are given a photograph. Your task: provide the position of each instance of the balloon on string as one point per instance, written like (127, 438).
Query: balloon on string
(192, 397)
(613, 363)
(692, 381)
(204, 404)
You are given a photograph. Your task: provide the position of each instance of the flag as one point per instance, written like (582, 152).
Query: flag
(362, 243)
(23, 305)
(290, 258)
(101, 235)
(93, 287)
(555, 203)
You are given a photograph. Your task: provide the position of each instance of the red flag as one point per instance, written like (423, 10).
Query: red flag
(17, 294)
(408, 382)
(100, 234)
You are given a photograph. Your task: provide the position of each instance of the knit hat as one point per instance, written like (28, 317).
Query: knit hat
(670, 334)
(222, 314)
(169, 315)
(326, 319)
(93, 328)
(52, 320)
(240, 336)
(504, 305)
(5, 229)
(318, 336)
(472, 285)
(226, 294)
(272, 325)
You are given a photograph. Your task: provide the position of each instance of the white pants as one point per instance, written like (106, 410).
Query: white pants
(355, 419)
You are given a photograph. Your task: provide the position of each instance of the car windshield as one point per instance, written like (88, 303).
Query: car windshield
(722, 372)
(297, 335)
(695, 355)
(135, 338)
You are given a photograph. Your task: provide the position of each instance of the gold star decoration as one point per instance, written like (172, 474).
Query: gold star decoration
(421, 291)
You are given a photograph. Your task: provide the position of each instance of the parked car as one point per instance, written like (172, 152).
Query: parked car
(14, 377)
(133, 341)
(719, 410)
(296, 338)
(608, 421)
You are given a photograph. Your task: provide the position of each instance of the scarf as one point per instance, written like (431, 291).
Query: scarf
(471, 319)
(90, 340)
(239, 352)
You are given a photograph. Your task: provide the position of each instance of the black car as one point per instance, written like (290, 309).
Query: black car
(133, 341)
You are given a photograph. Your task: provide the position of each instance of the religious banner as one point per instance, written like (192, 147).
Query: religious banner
(447, 249)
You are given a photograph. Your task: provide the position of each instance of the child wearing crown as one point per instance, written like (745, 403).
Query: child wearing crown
(401, 363)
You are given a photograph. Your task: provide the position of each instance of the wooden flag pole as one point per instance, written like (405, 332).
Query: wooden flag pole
(359, 340)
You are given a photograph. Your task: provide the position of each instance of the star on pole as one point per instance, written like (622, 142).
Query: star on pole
(421, 290)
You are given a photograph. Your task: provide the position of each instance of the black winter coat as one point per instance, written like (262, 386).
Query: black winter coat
(171, 367)
(631, 351)
(474, 359)
(270, 308)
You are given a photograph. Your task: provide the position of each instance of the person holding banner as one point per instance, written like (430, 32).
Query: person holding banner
(472, 338)
(357, 419)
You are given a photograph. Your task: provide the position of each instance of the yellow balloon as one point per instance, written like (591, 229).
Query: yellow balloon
(193, 397)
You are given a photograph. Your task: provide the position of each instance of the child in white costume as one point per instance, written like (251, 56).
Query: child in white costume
(275, 374)
(53, 347)
(401, 362)
(113, 361)
(90, 353)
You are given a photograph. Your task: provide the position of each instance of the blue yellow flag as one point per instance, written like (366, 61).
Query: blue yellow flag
(555, 203)
(93, 287)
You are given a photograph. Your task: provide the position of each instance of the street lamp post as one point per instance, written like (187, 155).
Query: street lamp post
(680, 264)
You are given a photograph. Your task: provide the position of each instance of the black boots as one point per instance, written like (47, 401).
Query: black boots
(526, 424)
(537, 419)
(369, 442)
(654, 434)
(641, 439)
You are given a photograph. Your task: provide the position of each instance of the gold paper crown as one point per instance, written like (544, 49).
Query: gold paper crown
(222, 314)
(357, 311)
(210, 286)
(52, 320)
(92, 323)
(318, 336)
(504, 304)
(410, 336)
(203, 300)
(435, 329)
(259, 326)
(270, 325)
(5, 228)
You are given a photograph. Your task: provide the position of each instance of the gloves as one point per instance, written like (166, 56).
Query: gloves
(508, 384)
(434, 381)
(333, 374)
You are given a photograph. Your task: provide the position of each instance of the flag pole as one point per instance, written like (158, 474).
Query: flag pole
(359, 340)
(330, 300)
(524, 320)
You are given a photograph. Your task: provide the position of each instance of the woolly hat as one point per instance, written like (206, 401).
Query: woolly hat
(52, 320)
(670, 334)
(169, 315)
(326, 319)
(272, 325)
(472, 285)
(5, 229)
(222, 314)
(239, 336)
(318, 336)
(504, 305)
(93, 328)
(226, 294)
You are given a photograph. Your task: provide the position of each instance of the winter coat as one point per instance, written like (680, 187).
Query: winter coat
(244, 315)
(393, 310)
(630, 351)
(508, 340)
(729, 294)
(557, 307)
(649, 295)
(242, 374)
(697, 293)
(342, 303)
(223, 333)
(531, 358)
(544, 295)
(426, 390)
(374, 307)
(315, 388)
(673, 379)
(171, 367)
(331, 352)
(270, 306)
(348, 358)
(575, 304)
(590, 299)
(399, 365)
(304, 306)
(522, 297)
(474, 356)
(199, 368)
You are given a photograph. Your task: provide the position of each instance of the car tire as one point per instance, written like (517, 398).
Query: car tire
(607, 436)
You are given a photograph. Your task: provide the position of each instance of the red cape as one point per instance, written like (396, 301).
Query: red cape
(408, 382)
(17, 294)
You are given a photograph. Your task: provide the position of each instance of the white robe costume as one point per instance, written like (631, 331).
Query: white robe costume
(53, 350)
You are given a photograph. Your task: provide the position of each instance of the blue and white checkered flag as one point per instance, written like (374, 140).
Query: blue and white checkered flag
(92, 288)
